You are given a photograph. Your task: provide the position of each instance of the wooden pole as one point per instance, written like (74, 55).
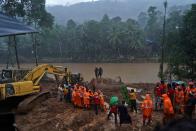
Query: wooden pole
(16, 52)
(163, 40)
(35, 49)
(9, 52)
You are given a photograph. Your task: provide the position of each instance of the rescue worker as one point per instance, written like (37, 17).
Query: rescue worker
(157, 93)
(171, 93)
(86, 99)
(190, 106)
(147, 107)
(179, 100)
(60, 93)
(65, 92)
(96, 102)
(132, 96)
(183, 87)
(189, 89)
(102, 102)
(82, 90)
(163, 87)
(113, 110)
(91, 97)
(167, 109)
(74, 97)
(68, 95)
(78, 98)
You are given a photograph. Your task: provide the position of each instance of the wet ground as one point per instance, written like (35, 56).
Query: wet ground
(61, 116)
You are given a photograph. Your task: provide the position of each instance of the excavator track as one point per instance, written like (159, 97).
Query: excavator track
(27, 104)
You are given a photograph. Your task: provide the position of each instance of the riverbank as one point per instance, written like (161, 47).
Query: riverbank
(128, 72)
(86, 60)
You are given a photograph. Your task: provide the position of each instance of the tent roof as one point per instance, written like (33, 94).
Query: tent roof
(11, 26)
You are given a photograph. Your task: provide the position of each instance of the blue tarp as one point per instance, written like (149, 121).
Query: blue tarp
(11, 26)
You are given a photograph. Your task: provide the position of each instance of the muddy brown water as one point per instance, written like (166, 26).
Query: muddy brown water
(129, 72)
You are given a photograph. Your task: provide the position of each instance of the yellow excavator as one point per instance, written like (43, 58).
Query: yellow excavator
(30, 83)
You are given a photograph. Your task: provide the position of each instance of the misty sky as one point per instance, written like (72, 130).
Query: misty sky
(64, 2)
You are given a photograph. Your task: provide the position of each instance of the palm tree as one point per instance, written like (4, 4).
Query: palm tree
(114, 40)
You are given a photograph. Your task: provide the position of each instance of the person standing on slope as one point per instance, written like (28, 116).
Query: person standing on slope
(168, 110)
(147, 107)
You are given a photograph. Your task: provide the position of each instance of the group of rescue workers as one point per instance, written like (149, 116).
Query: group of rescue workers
(175, 98)
(82, 97)
(171, 98)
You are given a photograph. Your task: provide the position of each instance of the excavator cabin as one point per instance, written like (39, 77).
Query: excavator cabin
(17, 83)
(12, 75)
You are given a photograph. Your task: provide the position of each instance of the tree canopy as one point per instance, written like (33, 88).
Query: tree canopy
(110, 39)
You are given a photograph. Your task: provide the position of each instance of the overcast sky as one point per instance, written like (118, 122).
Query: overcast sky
(64, 2)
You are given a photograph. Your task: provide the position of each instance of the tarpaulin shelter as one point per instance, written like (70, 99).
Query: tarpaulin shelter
(11, 27)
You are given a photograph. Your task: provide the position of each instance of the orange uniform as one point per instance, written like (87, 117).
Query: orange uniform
(179, 100)
(179, 97)
(78, 99)
(86, 99)
(167, 108)
(147, 107)
(102, 101)
(74, 97)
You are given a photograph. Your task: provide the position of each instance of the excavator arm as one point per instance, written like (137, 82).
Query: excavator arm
(30, 83)
(37, 73)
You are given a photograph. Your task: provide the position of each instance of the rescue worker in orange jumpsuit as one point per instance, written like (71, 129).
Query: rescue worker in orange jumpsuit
(78, 98)
(86, 99)
(91, 96)
(82, 91)
(167, 109)
(73, 97)
(179, 100)
(147, 107)
(102, 102)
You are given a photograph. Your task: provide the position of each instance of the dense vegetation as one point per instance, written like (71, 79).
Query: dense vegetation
(110, 39)
(181, 44)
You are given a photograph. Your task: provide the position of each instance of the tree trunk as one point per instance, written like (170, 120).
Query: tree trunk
(16, 52)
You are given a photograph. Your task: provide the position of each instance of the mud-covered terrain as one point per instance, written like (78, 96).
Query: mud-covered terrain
(53, 115)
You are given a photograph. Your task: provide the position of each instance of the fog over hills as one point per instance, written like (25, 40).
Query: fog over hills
(96, 9)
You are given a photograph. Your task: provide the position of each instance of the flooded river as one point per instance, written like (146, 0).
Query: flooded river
(129, 72)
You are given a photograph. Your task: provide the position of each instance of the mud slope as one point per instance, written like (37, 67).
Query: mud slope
(53, 115)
